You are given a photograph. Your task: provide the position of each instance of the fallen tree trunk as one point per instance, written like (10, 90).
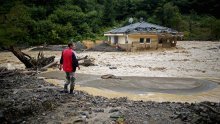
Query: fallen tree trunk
(29, 61)
(50, 65)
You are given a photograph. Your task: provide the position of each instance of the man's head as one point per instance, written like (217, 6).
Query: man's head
(71, 45)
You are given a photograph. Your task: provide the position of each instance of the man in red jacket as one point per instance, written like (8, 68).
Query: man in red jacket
(69, 63)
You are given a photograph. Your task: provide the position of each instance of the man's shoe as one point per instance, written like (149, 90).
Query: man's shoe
(63, 91)
(71, 92)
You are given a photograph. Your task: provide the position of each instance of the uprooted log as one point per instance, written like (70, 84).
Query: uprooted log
(43, 61)
(29, 61)
(50, 65)
(85, 61)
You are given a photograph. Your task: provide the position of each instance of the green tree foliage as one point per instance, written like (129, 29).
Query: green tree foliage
(34, 22)
(17, 25)
(171, 16)
(108, 13)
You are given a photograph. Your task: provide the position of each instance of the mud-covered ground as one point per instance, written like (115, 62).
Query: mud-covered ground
(27, 99)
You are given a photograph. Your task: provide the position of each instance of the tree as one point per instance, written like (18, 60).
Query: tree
(34, 22)
(18, 22)
(109, 13)
(171, 16)
(216, 30)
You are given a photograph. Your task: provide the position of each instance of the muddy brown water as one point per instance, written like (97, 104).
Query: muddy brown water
(148, 88)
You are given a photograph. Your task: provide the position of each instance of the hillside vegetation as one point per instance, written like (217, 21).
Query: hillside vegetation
(33, 22)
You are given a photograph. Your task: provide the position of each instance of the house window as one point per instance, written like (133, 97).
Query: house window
(148, 40)
(141, 40)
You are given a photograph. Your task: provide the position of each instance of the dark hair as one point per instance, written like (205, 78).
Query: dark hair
(70, 44)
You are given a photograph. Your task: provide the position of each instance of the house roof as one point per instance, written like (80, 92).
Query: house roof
(141, 27)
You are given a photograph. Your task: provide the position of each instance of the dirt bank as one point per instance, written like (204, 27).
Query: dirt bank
(26, 99)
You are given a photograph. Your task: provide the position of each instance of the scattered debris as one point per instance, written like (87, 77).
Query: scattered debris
(110, 76)
(213, 48)
(157, 69)
(112, 67)
(180, 60)
(182, 51)
(86, 61)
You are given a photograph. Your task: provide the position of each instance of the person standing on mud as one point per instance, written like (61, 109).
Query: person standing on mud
(69, 63)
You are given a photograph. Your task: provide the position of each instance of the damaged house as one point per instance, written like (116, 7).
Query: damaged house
(143, 35)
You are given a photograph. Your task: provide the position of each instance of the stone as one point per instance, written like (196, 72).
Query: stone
(113, 110)
(147, 114)
(108, 65)
(112, 67)
(115, 115)
(78, 120)
(145, 122)
(85, 114)
(174, 116)
(98, 110)
(52, 117)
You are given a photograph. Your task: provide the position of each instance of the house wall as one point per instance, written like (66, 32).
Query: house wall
(121, 40)
(134, 39)
(111, 38)
(134, 44)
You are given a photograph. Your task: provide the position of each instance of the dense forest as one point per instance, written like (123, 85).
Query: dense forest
(34, 22)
